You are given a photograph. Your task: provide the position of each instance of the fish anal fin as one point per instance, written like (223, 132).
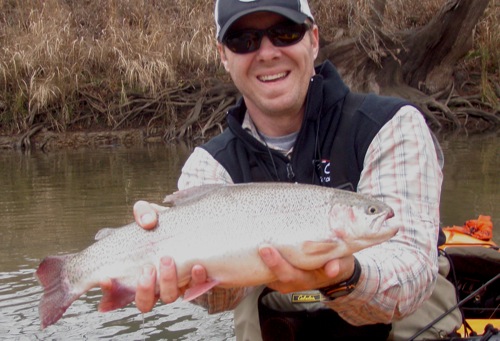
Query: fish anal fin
(318, 248)
(115, 296)
(198, 290)
(57, 293)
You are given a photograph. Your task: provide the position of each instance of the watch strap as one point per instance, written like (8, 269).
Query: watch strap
(343, 288)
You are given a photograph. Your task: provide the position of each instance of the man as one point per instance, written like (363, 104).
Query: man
(299, 123)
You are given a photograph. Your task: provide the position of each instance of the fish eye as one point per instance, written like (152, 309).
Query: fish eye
(372, 210)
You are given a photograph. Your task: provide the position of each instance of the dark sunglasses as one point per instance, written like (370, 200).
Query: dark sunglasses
(246, 41)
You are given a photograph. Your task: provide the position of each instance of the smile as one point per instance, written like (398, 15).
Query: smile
(271, 78)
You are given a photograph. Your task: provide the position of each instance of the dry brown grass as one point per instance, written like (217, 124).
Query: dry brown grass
(53, 49)
(487, 54)
(58, 55)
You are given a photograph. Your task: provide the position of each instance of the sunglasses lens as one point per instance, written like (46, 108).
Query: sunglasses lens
(244, 41)
(247, 41)
(286, 35)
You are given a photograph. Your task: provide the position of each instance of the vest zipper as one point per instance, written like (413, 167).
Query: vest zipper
(289, 171)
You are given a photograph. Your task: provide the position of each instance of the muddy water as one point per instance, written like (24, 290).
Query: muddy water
(55, 203)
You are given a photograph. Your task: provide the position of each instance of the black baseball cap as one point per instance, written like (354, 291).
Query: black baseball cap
(229, 11)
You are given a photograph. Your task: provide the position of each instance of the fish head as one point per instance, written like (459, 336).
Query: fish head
(361, 224)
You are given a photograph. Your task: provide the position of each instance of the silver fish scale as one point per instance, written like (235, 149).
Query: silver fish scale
(250, 207)
(265, 197)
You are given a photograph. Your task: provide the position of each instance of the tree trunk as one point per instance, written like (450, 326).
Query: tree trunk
(415, 64)
(432, 52)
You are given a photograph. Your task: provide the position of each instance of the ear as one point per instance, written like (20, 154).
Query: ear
(223, 57)
(315, 40)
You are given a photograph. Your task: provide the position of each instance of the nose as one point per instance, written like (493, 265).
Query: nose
(267, 50)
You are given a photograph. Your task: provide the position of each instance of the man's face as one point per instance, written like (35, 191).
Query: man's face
(273, 80)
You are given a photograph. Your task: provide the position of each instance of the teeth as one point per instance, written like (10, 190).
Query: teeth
(268, 78)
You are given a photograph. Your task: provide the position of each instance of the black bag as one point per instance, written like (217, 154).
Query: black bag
(471, 267)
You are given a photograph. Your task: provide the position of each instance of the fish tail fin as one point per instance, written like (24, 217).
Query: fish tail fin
(115, 296)
(57, 292)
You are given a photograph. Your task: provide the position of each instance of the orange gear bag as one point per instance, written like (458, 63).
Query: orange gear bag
(480, 228)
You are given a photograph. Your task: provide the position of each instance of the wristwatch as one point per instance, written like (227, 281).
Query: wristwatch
(334, 291)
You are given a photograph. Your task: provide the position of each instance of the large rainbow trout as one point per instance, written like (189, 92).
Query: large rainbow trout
(220, 227)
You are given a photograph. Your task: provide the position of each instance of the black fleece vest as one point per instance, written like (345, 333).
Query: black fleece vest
(330, 148)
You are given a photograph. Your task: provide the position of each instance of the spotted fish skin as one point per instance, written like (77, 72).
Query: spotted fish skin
(222, 228)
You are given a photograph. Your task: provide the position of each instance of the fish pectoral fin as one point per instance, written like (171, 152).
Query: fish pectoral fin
(317, 248)
(199, 290)
(115, 296)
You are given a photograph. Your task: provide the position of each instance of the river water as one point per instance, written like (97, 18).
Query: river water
(55, 203)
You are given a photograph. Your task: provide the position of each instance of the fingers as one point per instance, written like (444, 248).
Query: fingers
(290, 278)
(145, 215)
(333, 268)
(145, 296)
(340, 269)
(198, 275)
(278, 265)
(169, 292)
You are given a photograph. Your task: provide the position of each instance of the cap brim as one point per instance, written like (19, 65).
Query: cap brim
(291, 14)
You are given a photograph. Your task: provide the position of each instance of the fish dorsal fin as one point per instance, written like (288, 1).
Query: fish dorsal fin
(190, 194)
(103, 233)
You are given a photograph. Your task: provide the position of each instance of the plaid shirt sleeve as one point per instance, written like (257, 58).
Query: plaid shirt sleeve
(400, 168)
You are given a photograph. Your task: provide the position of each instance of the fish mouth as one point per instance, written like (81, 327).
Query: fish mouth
(382, 218)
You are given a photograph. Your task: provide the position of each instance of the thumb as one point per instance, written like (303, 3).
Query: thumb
(145, 215)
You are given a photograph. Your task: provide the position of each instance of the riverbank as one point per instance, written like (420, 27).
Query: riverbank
(46, 140)
(71, 67)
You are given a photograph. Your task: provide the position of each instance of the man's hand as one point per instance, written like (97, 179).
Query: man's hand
(291, 279)
(146, 297)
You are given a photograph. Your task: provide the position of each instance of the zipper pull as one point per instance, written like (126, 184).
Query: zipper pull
(289, 171)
